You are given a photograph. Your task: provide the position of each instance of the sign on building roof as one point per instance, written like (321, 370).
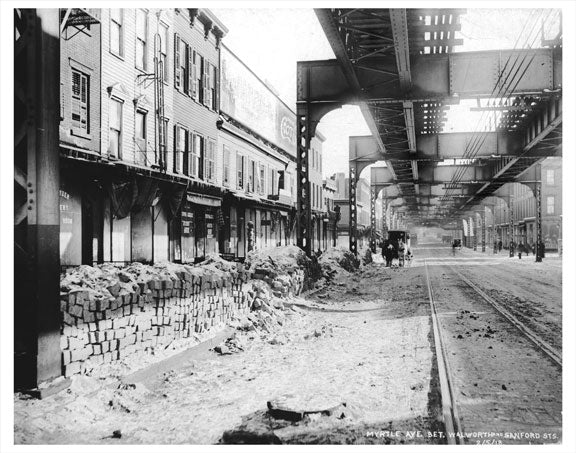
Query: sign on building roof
(249, 101)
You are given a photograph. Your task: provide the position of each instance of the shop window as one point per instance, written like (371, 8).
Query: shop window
(550, 177)
(115, 128)
(239, 171)
(141, 39)
(226, 165)
(549, 205)
(80, 111)
(116, 32)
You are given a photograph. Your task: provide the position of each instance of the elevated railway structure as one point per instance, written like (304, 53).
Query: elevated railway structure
(400, 67)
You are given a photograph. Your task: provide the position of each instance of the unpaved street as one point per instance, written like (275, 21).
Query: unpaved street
(365, 340)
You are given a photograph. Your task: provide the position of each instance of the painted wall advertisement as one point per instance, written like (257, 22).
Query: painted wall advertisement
(246, 99)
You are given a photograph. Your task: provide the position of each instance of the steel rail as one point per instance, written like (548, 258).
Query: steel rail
(545, 347)
(449, 409)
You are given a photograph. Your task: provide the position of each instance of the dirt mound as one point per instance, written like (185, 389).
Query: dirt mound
(337, 262)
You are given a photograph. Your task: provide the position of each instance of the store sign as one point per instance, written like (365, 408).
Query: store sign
(246, 99)
(187, 220)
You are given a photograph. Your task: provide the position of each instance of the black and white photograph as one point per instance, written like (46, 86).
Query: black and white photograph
(288, 224)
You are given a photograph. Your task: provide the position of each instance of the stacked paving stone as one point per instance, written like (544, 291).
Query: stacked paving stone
(110, 312)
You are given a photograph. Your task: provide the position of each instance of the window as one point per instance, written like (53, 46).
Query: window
(140, 136)
(180, 150)
(140, 125)
(177, 63)
(239, 171)
(206, 84)
(116, 38)
(549, 205)
(210, 160)
(164, 51)
(115, 128)
(198, 69)
(214, 87)
(183, 65)
(262, 179)
(251, 174)
(272, 182)
(550, 177)
(80, 87)
(197, 155)
(141, 39)
(226, 165)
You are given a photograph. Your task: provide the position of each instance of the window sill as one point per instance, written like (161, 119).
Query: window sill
(80, 134)
(120, 57)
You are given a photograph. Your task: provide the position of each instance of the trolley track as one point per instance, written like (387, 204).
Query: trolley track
(450, 383)
(451, 420)
(540, 344)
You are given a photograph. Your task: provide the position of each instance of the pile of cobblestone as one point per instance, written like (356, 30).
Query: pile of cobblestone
(112, 311)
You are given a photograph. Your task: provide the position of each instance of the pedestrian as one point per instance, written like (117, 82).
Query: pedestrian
(495, 246)
(389, 253)
(499, 246)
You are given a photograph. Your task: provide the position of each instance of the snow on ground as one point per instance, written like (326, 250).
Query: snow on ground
(363, 340)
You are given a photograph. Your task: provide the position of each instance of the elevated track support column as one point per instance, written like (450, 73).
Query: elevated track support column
(303, 200)
(37, 317)
(483, 228)
(353, 218)
(539, 243)
(511, 227)
(313, 100)
(373, 219)
(475, 240)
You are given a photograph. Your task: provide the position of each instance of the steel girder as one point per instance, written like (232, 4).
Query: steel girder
(37, 314)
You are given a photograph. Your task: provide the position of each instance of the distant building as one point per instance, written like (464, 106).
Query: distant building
(524, 211)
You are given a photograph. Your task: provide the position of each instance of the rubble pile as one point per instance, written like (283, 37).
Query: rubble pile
(112, 311)
(366, 254)
(336, 262)
(283, 269)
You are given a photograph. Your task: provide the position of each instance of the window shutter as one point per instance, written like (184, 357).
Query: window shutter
(177, 80)
(190, 71)
(191, 151)
(194, 76)
(202, 153)
(216, 84)
(175, 148)
(206, 83)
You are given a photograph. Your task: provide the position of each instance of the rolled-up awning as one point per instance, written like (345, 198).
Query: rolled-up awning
(204, 200)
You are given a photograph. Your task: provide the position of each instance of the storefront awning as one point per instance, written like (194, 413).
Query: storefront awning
(204, 200)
